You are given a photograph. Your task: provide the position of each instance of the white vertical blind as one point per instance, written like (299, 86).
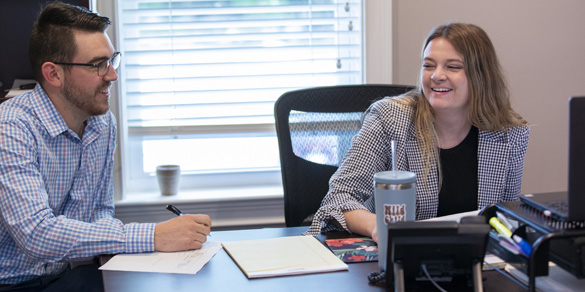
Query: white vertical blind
(211, 70)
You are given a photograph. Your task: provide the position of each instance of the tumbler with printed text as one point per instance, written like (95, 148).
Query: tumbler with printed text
(395, 196)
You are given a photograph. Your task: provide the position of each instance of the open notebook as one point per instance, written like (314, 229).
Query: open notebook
(283, 256)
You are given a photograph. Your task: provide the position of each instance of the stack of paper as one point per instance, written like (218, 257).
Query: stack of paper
(557, 279)
(283, 256)
(16, 90)
(181, 262)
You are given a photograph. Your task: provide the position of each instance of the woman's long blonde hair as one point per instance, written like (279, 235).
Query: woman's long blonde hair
(489, 109)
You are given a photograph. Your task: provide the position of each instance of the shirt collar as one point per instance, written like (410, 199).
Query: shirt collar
(52, 119)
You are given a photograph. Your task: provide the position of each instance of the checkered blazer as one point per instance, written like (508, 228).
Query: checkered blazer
(500, 166)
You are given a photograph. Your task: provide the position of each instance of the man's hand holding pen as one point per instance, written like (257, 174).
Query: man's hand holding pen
(184, 232)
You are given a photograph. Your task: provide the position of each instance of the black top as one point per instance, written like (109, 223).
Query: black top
(459, 165)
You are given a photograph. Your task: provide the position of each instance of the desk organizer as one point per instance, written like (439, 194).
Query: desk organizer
(560, 242)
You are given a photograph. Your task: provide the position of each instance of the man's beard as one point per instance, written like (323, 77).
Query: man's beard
(84, 98)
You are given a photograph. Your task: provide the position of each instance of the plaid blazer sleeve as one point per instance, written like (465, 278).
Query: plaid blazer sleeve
(351, 187)
(501, 164)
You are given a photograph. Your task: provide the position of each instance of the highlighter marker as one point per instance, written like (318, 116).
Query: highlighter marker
(525, 247)
(505, 221)
(510, 247)
(494, 222)
(508, 243)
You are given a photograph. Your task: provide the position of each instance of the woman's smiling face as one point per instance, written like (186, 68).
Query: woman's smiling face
(443, 77)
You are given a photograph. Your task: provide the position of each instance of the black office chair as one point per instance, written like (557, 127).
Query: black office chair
(314, 127)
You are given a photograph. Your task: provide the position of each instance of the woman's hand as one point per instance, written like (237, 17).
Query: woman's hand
(362, 222)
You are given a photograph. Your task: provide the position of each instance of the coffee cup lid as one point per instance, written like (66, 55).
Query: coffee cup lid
(395, 177)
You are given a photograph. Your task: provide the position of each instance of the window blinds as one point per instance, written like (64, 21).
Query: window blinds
(188, 65)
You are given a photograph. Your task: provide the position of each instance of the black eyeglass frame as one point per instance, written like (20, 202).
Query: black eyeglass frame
(114, 62)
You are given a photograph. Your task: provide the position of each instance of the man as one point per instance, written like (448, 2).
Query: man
(56, 146)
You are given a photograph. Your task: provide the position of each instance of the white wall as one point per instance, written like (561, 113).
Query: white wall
(541, 45)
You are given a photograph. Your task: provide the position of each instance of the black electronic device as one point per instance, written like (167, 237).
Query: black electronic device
(448, 252)
(568, 206)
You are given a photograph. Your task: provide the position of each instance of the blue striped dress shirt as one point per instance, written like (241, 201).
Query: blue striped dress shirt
(56, 191)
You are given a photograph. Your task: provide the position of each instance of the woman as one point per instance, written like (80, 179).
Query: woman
(456, 131)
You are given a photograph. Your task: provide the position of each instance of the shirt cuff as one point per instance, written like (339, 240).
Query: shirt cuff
(139, 237)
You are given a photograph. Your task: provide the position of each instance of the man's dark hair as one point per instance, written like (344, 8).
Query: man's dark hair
(52, 38)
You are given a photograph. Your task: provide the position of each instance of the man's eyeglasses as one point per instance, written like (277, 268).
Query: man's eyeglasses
(102, 67)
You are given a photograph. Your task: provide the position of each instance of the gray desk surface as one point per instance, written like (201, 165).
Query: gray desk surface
(222, 274)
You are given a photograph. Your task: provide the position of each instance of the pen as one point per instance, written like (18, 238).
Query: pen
(28, 86)
(174, 210)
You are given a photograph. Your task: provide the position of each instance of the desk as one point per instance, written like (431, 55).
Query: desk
(222, 274)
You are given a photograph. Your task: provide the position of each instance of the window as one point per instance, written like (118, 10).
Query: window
(199, 79)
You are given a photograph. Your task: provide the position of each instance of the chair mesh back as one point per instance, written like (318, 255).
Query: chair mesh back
(322, 138)
(315, 127)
